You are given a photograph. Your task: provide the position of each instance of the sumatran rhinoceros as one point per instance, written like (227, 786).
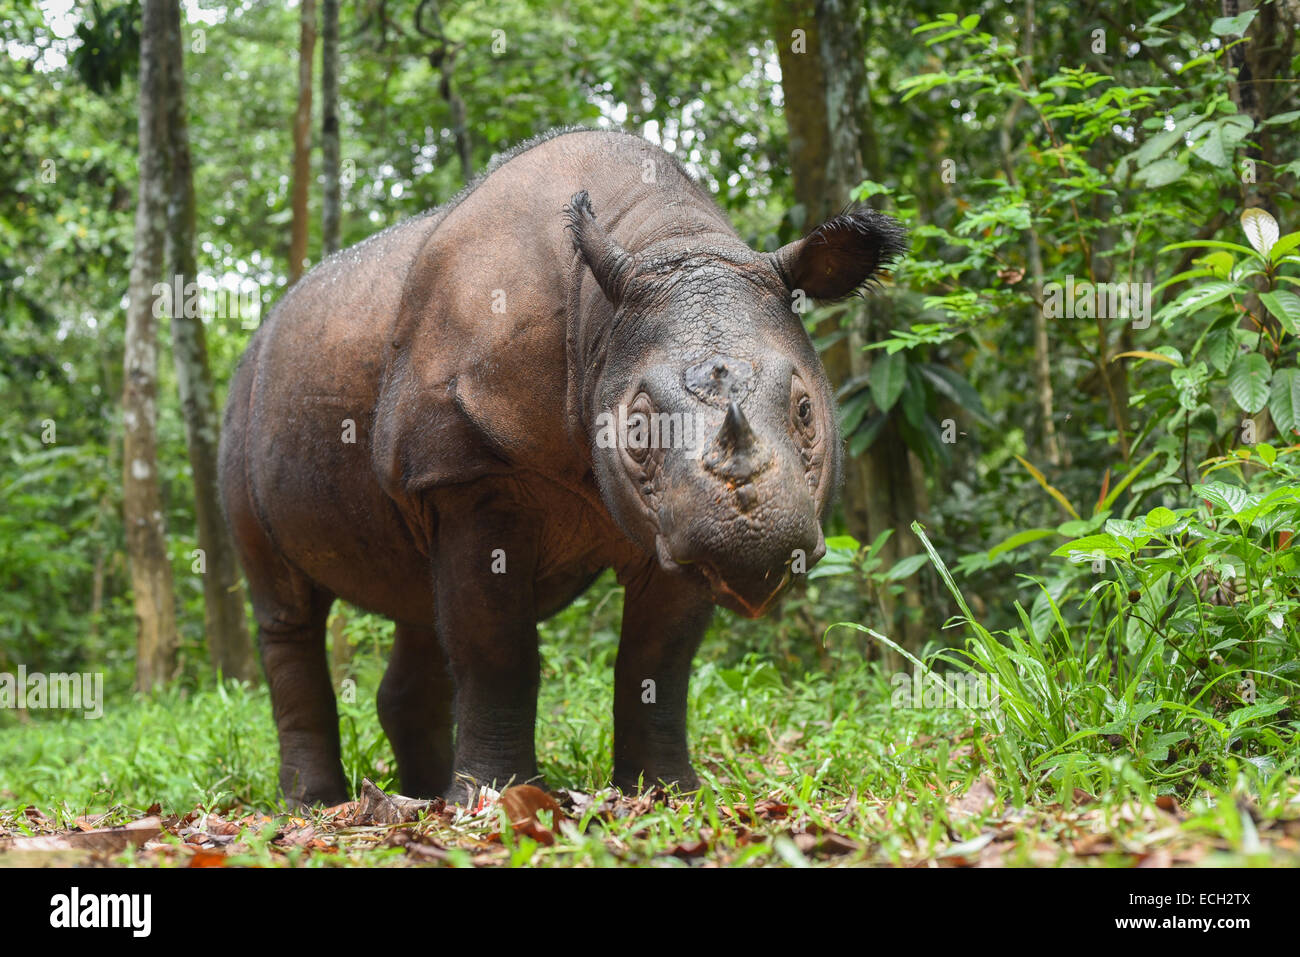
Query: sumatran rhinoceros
(458, 423)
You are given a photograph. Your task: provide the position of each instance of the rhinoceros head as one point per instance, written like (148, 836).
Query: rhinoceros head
(713, 428)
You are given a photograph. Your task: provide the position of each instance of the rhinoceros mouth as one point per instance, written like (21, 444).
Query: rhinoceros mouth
(727, 597)
(723, 593)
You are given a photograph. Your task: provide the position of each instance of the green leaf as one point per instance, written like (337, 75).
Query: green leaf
(1255, 711)
(1219, 263)
(1284, 401)
(907, 567)
(1208, 244)
(1158, 145)
(1211, 149)
(1285, 306)
(1198, 297)
(851, 412)
(968, 23)
(1165, 14)
(1248, 380)
(1232, 497)
(1284, 245)
(1279, 118)
(1221, 347)
(1162, 173)
(1018, 539)
(951, 385)
(1161, 517)
(1107, 546)
(866, 435)
(888, 376)
(1233, 26)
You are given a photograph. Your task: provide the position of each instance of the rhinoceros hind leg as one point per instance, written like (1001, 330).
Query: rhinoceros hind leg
(415, 708)
(292, 640)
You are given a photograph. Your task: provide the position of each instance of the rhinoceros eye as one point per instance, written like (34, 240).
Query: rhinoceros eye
(805, 410)
(637, 443)
(802, 408)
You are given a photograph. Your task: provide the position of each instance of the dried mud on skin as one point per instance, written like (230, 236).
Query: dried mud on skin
(392, 830)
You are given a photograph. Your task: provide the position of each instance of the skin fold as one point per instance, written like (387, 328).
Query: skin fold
(419, 428)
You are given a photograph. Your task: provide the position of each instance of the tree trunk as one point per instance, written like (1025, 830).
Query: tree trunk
(331, 214)
(825, 109)
(146, 532)
(442, 58)
(302, 142)
(229, 647)
(1051, 447)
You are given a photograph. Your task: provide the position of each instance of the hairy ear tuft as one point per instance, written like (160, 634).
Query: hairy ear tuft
(843, 255)
(608, 261)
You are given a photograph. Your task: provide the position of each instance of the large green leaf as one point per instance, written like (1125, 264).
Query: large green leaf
(851, 412)
(1285, 305)
(1162, 173)
(1107, 546)
(1232, 497)
(1211, 148)
(1018, 539)
(865, 435)
(888, 375)
(1284, 401)
(1221, 347)
(1198, 297)
(1233, 26)
(1248, 379)
(951, 385)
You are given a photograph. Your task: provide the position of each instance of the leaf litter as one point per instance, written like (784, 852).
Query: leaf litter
(391, 829)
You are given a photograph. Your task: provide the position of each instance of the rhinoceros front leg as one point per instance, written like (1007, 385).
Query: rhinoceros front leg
(664, 618)
(485, 564)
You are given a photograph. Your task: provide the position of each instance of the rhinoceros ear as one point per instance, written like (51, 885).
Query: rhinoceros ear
(608, 261)
(841, 255)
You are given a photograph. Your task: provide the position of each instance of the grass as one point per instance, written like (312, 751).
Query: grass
(1080, 762)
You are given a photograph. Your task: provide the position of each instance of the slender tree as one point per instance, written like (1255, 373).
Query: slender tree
(331, 213)
(302, 142)
(442, 57)
(143, 513)
(229, 646)
(820, 48)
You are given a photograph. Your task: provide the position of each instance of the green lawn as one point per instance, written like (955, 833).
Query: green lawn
(802, 765)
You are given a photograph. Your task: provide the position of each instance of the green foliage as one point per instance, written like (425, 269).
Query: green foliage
(1016, 167)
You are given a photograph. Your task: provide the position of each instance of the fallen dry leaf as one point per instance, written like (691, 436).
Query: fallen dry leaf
(207, 859)
(522, 804)
(107, 840)
(376, 807)
(978, 799)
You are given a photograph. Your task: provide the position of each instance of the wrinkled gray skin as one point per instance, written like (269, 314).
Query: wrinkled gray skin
(415, 429)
